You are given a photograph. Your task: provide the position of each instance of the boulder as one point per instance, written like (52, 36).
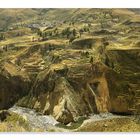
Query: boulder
(4, 114)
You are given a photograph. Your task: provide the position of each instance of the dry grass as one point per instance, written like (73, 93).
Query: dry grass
(16, 123)
(111, 125)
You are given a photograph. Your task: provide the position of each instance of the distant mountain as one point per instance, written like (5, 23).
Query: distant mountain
(12, 16)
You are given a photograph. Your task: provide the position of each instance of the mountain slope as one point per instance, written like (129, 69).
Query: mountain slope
(71, 62)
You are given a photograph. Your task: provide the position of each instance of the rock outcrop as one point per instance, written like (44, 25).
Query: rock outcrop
(4, 114)
(76, 85)
(13, 85)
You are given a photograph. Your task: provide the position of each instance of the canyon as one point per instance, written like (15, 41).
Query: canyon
(71, 63)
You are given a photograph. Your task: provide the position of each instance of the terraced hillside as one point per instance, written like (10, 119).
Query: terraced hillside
(71, 63)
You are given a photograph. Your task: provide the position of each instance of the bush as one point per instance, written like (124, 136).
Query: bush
(2, 37)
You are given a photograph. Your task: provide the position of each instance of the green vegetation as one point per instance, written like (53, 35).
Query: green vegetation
(14, 123)
(2, 37)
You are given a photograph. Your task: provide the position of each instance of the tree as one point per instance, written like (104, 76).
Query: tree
(91, 60)
(73, 23)
(50, 34)
(55, 30)
(89, 25)
(71, 39)
(81, 31)
(43, 35)
(39, 33)
(66, 32)
(2, 37)
(74, 32)
(86, 29)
